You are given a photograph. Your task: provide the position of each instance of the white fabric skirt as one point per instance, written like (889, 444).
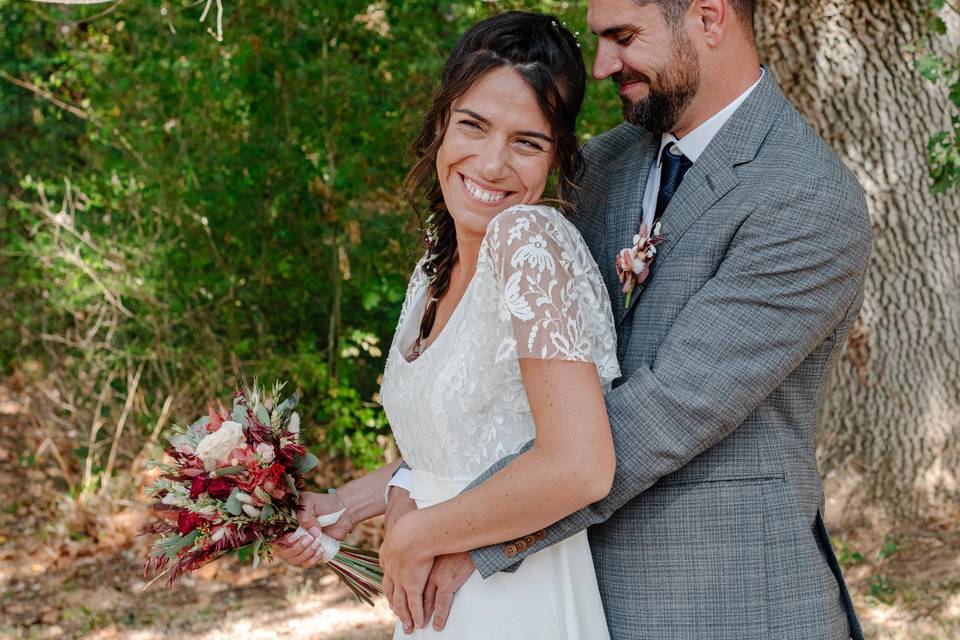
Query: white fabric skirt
(552, 595)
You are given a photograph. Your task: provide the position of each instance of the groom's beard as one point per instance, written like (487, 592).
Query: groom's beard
(677, 84)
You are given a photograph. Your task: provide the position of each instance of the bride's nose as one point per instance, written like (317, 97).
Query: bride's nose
(493, 160)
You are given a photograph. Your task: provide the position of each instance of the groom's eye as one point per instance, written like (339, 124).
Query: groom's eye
(625, 40)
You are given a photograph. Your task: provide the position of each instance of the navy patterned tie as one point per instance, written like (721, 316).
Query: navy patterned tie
(673, 168)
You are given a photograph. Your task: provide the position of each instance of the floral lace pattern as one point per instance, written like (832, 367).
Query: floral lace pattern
(537, 293)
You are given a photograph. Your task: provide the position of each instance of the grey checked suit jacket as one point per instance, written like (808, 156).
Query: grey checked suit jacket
(710, 530)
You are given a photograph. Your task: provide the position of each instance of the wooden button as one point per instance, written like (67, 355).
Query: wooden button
(510, 550)
(541, 535)
(530, 540)
(521, 545)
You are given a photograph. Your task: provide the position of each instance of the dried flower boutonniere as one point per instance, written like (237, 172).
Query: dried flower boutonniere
(633, 263)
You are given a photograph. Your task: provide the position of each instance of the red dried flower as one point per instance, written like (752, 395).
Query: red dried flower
(198, 485)
(187, 521)
(220, 489)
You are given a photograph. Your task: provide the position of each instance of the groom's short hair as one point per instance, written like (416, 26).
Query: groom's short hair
(673, 10)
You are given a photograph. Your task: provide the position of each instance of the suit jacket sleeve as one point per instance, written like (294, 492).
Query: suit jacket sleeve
(792, 272)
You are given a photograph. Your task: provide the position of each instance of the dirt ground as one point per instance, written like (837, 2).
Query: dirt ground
(73, 571)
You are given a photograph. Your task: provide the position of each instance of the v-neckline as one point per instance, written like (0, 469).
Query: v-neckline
(419, 307)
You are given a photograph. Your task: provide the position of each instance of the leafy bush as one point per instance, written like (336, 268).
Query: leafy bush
(941, 67)
(178, 212)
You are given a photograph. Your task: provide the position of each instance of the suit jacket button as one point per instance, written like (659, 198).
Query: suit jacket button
(510, 550)
(521, 545)
(541, 535)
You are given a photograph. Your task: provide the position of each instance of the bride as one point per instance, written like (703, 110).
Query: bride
(506, 334)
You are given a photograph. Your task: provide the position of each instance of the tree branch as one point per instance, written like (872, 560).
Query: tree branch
(77, 111)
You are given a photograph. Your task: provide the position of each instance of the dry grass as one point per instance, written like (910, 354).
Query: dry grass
(72, 570)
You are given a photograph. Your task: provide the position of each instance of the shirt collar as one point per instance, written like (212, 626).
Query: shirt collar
(695, 143)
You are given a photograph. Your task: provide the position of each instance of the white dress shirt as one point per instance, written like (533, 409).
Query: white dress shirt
(692, 146)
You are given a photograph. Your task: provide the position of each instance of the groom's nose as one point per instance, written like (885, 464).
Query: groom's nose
(607, 61)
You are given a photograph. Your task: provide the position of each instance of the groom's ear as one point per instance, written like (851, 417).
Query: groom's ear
(714, 17)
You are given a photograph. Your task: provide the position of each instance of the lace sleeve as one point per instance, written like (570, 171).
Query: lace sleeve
(551, 290)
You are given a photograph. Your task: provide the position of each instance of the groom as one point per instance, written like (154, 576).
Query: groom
(713, 528)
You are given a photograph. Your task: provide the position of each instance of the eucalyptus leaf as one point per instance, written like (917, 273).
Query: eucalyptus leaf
(306, 462)
(200, 424)
(262, 415)
(239, 414)
(233, 506)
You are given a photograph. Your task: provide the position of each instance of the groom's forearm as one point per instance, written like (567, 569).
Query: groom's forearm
(364, 497)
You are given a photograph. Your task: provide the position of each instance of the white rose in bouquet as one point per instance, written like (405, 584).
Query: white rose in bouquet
(216, 447)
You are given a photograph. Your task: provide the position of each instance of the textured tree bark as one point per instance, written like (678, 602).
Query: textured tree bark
(891, 422)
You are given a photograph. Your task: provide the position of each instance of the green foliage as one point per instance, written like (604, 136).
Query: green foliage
(882, 590)
(942, 69)
(889, 547)
(846, 556)
(210, 210)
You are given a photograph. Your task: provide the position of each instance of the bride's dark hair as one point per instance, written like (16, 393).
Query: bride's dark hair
(546, 55)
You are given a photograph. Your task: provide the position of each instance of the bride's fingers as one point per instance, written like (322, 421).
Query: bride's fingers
(400, 608)
(316, 558)
(415, 605)
(291, 551)
(308, 547)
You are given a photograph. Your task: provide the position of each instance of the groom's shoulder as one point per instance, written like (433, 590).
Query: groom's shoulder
(797, 169)
(796, 145)
(600, 151)
(794, 153)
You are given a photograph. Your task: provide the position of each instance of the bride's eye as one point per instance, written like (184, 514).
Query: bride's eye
(529, 144)
(471, 124)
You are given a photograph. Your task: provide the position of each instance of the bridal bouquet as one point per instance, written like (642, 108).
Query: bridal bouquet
(235, 484)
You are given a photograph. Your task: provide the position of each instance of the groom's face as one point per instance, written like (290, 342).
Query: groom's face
(654, 63)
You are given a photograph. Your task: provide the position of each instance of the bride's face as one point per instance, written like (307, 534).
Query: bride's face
(497, 151)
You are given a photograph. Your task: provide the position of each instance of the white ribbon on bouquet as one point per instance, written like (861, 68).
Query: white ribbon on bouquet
(330, 546)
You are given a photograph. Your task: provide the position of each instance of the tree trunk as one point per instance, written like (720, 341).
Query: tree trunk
(890, 424)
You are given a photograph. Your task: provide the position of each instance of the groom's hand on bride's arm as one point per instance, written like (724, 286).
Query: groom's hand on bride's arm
(399, 504)
(447, 576)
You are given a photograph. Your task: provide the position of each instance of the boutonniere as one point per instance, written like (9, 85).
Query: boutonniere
(633, 263)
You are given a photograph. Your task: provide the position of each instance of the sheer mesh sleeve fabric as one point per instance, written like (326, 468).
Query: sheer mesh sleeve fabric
(551, 291)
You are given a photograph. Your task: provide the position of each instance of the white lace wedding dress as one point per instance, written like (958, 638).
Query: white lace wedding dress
(461, 406)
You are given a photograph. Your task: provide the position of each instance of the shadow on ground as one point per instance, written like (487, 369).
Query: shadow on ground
(71, 570)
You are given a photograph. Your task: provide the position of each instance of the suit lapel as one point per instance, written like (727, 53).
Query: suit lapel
(625, 203)
(713, 175)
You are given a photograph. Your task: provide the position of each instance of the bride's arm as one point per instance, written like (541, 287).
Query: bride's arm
(570, 465)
